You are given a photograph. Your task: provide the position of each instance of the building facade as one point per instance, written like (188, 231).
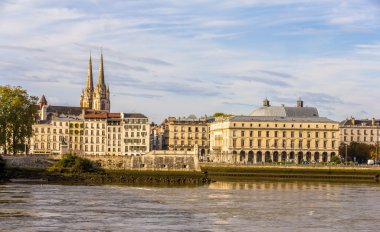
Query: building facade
(183, 134)
(360, 131)
(275, 134)
(94, 133)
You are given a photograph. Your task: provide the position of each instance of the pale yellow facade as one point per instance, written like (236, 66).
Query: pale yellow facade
(360, 131)
(250, 139)
(49, 135)
(185, 134)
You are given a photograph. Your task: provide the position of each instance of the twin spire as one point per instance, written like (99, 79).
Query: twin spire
(90, 83)
(97, 98)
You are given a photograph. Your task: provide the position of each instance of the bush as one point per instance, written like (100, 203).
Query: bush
(336, 159)
(2, 164)
(73, 164)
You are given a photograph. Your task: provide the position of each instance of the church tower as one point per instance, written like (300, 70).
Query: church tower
(101, 96)
(88, 92)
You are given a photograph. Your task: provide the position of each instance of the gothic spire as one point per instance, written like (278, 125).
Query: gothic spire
(101, 71)
(89, 84)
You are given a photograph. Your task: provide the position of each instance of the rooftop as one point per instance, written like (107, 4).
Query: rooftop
(279, 119)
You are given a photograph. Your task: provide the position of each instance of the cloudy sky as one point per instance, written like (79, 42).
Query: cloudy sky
(169, 57)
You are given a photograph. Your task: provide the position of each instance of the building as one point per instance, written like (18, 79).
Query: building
(360, 131)
(182, 134)
(98, 98)
(89, 129)
(93, 133)
(156, 137)
(274, 134)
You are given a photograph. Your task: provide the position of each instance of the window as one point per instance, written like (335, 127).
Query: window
(300, 134)
(333, 144)
(284, 134)
(316, 134)
(316, 144)
(251, 133)
(234, 143)
(259, 134)
(292, 134)
(259, 143)
(267, 143)
(267, 134)
(300, 144)
(250, 142)
(242, 143)
(242, 133)
(275, 143)
(284, 143)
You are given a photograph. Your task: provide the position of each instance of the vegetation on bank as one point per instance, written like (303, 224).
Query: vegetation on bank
(74, 164)
(2, 164)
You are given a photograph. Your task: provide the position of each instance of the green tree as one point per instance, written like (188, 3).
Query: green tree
(18, 111)
(360, 152)
(220, 114)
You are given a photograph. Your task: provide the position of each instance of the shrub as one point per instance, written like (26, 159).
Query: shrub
(2, 164)
(73, 164)
(336, 159)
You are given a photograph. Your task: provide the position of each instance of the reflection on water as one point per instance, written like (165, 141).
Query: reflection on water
(221, 206)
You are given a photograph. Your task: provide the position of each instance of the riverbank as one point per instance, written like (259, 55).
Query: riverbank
(324, 173)
(103, 177)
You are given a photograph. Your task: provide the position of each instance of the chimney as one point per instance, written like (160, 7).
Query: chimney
(373, 121)
(353, 121)
(266, 102)
(299, 102)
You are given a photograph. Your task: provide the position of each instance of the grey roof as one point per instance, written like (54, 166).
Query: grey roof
(362, 122)
(280, 119)
(67, 110)
(134, 115)
(285, 111)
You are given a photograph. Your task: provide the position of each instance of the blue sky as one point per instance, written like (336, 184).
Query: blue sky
(198, 57)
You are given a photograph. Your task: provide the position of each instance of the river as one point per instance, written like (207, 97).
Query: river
(220, 206)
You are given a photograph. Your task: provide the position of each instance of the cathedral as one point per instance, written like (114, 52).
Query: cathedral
(98, 98)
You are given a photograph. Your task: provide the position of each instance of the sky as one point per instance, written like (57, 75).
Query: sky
(175, 58)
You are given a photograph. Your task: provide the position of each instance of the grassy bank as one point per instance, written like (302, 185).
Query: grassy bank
(292, 172)
(106, 177)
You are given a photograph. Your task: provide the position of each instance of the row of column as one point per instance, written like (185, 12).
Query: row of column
(237, 158)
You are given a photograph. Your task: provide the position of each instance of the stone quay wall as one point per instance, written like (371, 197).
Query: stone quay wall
(152, 161)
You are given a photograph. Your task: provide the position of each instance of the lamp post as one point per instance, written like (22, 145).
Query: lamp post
(345, 159)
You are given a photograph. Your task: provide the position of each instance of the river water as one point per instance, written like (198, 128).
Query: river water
(220, 206)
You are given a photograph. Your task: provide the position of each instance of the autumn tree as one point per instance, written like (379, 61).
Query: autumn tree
(17, 114)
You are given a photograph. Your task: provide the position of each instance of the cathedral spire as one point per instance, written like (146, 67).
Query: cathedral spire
(101, 71)
(89, 84)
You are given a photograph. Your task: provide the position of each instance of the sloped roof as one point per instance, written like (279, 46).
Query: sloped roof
(285, 111)
(280, 119)
(361, 122)
(67, 110)
(134, 115)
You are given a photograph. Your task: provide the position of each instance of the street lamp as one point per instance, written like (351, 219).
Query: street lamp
(345, 159)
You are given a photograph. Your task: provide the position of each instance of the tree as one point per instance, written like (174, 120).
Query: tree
(359, 152)
(18, 111)
(219, 114)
